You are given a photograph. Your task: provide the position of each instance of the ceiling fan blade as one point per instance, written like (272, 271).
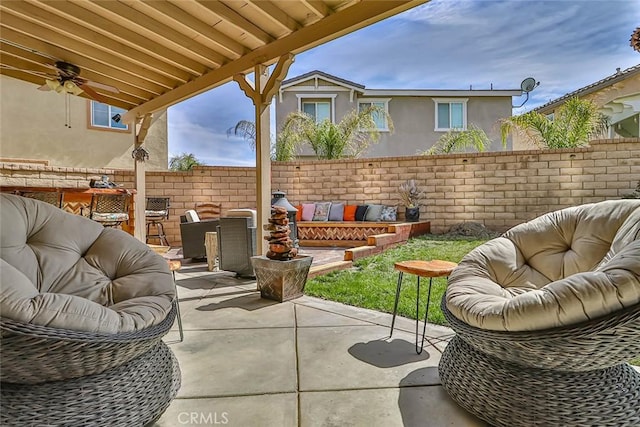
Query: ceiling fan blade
(102, 86)
(93, 94)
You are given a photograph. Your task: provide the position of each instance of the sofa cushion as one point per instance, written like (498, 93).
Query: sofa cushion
(321, 212)
(389, 213)
(308, 210)
(350, 212)
(299, 213)
(336, 212)
(66, 271)
(374, 212)
(361, 212)
(556, 270)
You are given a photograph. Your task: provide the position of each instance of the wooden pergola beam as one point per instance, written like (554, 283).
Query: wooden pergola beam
(229, 47)
(331, 27)
(317, 7)
(261, 93)
(233, 18)
(270, 11)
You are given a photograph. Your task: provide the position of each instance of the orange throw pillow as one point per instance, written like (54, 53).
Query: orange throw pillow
(299, 213)
(350, 212)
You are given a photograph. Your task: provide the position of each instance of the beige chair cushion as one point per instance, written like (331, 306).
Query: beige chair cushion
(66, 271)
(559, 269)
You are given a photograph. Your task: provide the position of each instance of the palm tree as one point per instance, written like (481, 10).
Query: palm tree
(453, 141)
(349, 138)
(247, 130)
(282, 150)
(573, 124)
(184, 162)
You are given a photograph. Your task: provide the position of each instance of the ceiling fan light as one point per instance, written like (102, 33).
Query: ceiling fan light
(71, 87)
(54, 85)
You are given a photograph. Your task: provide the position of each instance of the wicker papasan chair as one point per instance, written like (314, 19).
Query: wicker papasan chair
(83, 310)
(546, 317)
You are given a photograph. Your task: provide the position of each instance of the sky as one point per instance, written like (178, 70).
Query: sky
(443, 44)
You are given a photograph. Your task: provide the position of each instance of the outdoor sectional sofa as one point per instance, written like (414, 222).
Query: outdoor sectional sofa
(546, 318)
(340, 224)
(83, 311)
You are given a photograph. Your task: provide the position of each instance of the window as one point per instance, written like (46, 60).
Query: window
(451, 114)
(380, 119)
(318, 110)
(102, 116)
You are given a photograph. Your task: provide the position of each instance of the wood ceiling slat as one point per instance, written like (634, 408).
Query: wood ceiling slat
(86, 50)
(172, 37)
(229, 46)
(62, 54)
(234, 18)
(331, 27)
(134, 46)
(275, 14)
(9, 57)
(317, 7)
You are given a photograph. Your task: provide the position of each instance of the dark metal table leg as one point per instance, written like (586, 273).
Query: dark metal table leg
(395, 305)
(178, 308)
(426, 314)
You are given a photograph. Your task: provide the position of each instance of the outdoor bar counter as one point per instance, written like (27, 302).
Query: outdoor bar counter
(77, 200)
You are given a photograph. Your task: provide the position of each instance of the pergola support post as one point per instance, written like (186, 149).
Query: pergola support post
(261, 93)
(140, 198)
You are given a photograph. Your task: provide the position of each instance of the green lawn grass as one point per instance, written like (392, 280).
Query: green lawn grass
(371, 282)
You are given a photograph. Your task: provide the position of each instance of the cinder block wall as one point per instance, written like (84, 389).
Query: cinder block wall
(499, 189)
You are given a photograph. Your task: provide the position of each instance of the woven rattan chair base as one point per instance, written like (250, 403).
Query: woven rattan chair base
(596, 344)
(133, 394)
(33, 354)
(507, 394)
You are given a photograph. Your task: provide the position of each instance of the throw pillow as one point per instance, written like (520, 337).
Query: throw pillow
(389, 213)
(350, 212)
(336, 212)
(321, 213)
(373, 213)
(361, 212)
(299, 213)
(307, 211)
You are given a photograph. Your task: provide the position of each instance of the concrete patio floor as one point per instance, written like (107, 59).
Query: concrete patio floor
(248, 361)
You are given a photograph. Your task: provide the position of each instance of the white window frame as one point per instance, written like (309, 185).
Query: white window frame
(384, 101)
(322, 97)
(111, 113)
(462, 101)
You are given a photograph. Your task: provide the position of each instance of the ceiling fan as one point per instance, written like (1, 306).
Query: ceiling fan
(67, 80)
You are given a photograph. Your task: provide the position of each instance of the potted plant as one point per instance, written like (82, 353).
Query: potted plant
(410, 198)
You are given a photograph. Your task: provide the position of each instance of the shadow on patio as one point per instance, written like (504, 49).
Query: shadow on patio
(307, 362)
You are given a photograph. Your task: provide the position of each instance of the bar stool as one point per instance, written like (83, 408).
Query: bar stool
(110, 210)
(430, 269)
(175, 265)
(156, 211)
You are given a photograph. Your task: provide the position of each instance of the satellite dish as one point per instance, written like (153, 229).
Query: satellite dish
(528, 84)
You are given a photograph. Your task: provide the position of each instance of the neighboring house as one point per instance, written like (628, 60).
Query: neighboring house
(65, 130)
(420, 116)
(617, 96)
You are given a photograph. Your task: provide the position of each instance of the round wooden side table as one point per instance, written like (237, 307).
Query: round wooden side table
(430, 269)
(175, 265)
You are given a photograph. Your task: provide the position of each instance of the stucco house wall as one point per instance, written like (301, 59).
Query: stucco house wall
(33, 127)
(412, 112)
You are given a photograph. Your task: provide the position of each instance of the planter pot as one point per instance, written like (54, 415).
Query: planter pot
(281, 280)
(412, 214)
